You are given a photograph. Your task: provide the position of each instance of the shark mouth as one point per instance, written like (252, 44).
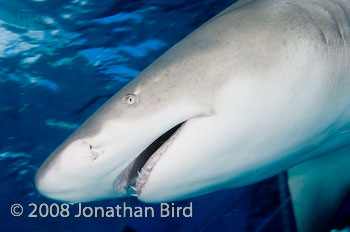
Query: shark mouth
(135, 176)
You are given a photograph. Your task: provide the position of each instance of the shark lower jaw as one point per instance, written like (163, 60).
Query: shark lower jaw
(135, 176)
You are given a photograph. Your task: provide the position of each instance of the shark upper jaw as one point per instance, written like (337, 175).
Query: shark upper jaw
(135, 176)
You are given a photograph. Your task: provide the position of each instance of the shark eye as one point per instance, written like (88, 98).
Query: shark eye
(131, 99)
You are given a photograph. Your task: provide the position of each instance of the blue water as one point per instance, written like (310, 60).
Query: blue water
(60, 61)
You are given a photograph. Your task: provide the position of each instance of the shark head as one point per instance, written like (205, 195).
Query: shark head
(114, 152)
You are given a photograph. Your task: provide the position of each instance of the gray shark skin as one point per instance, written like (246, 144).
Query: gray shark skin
(259, 89)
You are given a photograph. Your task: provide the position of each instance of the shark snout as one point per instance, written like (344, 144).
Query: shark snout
(73, 173)
(46, 182)
(57, 170)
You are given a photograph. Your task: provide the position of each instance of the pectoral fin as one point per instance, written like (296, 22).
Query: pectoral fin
(318, 187)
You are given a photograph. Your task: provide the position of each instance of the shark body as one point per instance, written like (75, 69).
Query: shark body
(259, 89)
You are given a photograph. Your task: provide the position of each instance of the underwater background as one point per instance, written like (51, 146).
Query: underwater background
(60, 60)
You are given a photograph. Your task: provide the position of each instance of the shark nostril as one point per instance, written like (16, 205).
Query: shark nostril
(86, 144)
(95, 153)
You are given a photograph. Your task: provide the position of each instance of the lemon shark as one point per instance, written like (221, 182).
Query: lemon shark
(261, 88)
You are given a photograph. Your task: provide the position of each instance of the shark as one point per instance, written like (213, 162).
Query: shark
(261, 88)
